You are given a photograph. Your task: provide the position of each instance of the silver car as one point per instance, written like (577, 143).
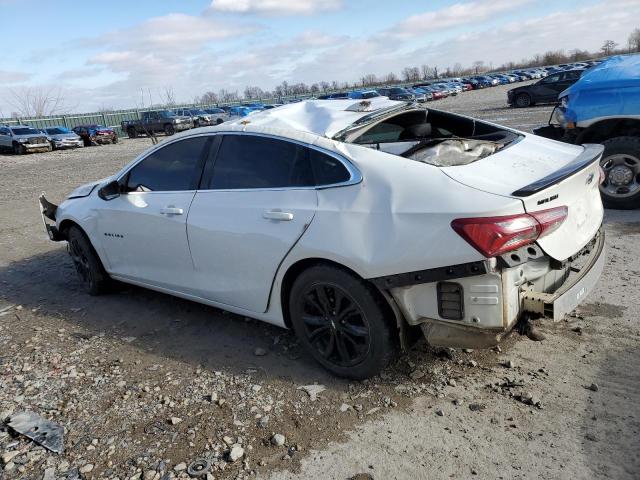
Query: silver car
(22, 139)
(62, 137)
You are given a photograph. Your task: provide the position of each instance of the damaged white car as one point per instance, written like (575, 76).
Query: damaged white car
(352, 223)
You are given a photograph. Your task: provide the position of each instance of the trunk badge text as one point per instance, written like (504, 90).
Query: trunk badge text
(547, 200)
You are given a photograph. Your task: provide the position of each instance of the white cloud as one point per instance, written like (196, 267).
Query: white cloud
(7, 77)
(276, 7)
(453, 16)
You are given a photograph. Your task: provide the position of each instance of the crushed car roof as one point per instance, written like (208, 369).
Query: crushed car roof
(320, 117)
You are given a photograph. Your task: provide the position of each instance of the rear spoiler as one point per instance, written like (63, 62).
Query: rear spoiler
(592, 153)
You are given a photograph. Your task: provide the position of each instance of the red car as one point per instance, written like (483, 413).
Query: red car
(96, 134)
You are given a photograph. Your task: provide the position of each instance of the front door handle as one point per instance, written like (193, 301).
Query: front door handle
(171, 211)
(278, 215)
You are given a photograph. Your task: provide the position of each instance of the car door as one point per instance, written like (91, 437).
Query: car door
(143, 231)
(546, 90)
(257, 199)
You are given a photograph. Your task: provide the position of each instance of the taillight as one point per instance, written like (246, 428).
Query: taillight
(494, 236)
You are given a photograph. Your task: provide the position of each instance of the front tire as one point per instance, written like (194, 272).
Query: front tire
(115, 140)
(169, 130)
(19, 149)
(92, 274)
(523, 100)
(132, 133)
(621, 165)
(341, 322)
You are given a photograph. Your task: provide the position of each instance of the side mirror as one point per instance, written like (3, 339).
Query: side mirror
(110, 191)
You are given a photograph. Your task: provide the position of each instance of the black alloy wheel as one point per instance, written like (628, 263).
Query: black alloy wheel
(94, 278)
(342, 321)
(335, 325)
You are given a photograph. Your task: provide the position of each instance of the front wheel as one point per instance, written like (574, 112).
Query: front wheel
(19, 149)
(621, 165)
(94, 278)
(169, 130)
(523, 100)
(115, 140)
(341, 322)
(132, 133)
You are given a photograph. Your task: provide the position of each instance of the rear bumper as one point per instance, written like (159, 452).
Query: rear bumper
(476, 308)
(559, 303)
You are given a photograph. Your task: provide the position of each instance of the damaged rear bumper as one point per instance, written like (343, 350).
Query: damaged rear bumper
(476, 305)
(48, 211)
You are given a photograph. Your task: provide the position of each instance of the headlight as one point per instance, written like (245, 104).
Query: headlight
(559, 116)
(23, 140)
(564, 101)
(178, 120)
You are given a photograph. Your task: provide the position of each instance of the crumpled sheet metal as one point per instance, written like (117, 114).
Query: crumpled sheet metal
(44, 432)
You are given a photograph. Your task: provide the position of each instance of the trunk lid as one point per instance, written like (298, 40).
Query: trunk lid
(545, 174)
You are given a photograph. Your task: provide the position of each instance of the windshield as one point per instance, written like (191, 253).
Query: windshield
(25, 131)
(57, 130)
(198, 112)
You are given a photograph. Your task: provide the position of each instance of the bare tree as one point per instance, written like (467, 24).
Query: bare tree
(634, 40)
(478, 66)
(411, 74)
(369, 79)
(426, 71)
(608, 46)
(391, 78)
(207, 98)
(37, 101)
(167, 97)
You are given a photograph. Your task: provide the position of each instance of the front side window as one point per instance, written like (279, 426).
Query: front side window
(176, 167)
(247, 161)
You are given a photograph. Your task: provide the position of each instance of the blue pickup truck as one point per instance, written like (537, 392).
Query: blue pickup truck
(604, 107)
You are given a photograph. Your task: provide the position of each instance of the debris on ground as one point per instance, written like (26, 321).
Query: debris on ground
(593, 387)
(44, 432)
(278, 440)
(313, 390)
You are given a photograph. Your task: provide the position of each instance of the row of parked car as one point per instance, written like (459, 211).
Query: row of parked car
(21, 139)
(552, 80)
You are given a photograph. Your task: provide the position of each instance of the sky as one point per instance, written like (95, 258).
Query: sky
(104, 54)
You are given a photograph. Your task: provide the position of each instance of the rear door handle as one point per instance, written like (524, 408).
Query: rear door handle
(171, 211)
(278, 215)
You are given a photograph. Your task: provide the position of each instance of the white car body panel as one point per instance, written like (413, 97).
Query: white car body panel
(238, 242)
(141, 242)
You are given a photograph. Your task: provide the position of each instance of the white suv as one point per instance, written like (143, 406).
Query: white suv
(22, 139)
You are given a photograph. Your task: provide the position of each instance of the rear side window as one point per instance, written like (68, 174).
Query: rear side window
(175, 167)
(327, 170)
(247, 161)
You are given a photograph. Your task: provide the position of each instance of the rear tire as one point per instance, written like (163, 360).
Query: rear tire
(341, 321)
(92, 274)
(621, 164)
(523, 100)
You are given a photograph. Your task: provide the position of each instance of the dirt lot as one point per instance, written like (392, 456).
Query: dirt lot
(145, 384)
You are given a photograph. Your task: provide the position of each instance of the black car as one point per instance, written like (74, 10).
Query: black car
(396, 93)
(545, 90)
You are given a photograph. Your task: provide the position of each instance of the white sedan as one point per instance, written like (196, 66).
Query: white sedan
(353, 223)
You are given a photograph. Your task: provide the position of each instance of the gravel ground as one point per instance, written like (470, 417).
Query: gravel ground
(144, 383)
